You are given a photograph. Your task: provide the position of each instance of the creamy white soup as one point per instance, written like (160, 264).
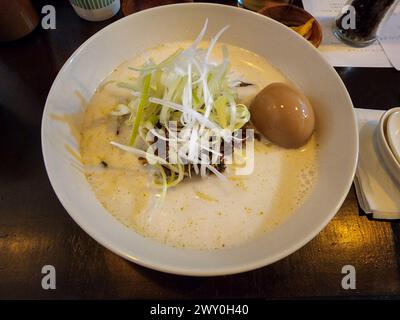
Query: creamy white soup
(207, 213)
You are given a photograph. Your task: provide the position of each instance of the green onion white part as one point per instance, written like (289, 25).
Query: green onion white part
(192, 91)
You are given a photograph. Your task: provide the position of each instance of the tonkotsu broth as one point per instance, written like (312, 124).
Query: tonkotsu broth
(198, 213)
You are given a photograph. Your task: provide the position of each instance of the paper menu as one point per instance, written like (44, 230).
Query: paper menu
(339, 54)
(324, 8)
(389, 38)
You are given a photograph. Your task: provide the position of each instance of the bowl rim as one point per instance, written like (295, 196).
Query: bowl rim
(194, 271)
(390, 137)
(388, 156)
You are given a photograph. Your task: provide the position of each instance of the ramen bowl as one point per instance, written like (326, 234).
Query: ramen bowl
(297, 59)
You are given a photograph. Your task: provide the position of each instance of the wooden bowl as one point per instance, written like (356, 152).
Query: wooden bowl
(291, 16)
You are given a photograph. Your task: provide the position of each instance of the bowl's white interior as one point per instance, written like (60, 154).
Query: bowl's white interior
(295, 57)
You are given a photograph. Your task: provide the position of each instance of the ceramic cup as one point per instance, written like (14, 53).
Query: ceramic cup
(96, 10)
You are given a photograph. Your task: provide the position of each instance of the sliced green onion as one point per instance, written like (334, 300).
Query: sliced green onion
(220, 108)
(139, 114)
(194, 92)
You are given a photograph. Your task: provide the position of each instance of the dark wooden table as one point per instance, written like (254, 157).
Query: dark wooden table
(35, 230)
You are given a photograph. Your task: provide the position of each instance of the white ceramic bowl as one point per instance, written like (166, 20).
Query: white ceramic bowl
(393, 133)
(392, 164)
(295, 57)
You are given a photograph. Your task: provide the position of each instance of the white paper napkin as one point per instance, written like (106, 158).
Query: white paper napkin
(377, 192)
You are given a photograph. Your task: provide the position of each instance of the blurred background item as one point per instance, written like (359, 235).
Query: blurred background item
(96, 10)
(17, 19)
(131, 6)
(368, 16)
(295, 18)
(256, 5)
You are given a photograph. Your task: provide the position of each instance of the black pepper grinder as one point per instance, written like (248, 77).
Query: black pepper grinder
(358, 25)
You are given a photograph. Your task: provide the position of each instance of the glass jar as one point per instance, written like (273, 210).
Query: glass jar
(358, 23)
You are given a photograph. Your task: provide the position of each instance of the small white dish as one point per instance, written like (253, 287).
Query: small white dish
(393, 133)
(392, 164)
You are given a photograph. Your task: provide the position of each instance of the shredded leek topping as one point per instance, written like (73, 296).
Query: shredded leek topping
(196, 96)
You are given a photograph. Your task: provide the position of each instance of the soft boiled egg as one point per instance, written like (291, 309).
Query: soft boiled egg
(283, 115)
